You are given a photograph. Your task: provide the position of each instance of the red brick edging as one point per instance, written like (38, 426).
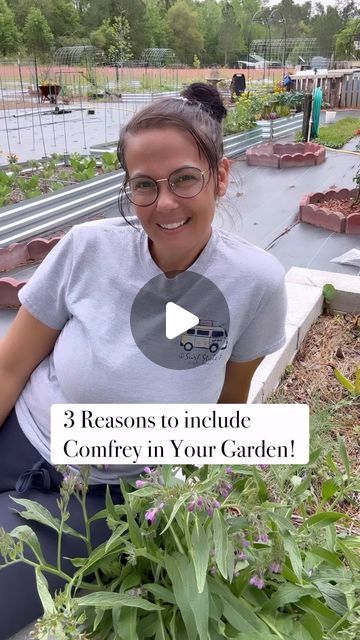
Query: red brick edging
(313, 210)
(286, 155)
(17, 255)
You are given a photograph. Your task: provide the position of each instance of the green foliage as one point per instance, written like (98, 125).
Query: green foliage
(329, 292)
(239, 552)
(9, 35)
(110, 161)
(84, 168)
(37, 34)
(247, 110)
(196, 62)
(113, 37)
(352, 387)
(345, 41)
(335, 135)
(184, 35)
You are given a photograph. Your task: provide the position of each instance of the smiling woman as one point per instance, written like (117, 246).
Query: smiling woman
(73, 340)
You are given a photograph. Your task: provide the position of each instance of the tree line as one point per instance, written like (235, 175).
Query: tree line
(199, 31)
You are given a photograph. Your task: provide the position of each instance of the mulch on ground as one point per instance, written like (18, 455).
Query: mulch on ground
(346, 207)
(332, 341)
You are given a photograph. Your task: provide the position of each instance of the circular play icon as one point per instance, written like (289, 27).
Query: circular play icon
(180, 322)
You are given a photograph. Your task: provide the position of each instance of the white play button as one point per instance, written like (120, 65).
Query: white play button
(178, 320)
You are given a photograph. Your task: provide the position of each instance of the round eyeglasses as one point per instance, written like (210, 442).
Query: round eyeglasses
(186, 182)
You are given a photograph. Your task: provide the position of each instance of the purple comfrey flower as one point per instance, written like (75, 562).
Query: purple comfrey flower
(257, 581)
(245, 543)
(228, 471)
(140, 483)
(191, 505)
(199, 502)
(263, 537)
(210, 512)
(150, 515)
(147, 470)
(224, 488)
(216, 504)
(240, 555)
(263, 466)
(275, 567)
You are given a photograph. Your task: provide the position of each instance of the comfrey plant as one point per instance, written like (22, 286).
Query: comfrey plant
(221, 552)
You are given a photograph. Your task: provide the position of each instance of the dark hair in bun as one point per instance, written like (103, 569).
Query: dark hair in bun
(209, 98)
(198, 112)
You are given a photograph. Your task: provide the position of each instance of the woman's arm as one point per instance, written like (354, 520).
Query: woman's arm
(26, 344)
(237, 381)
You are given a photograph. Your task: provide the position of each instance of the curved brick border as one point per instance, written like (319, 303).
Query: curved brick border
(9, 288)
(313, 210)
(20, 253)
(17, 255)
(289, 154)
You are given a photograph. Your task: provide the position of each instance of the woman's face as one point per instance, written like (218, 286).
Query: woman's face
(157, 153)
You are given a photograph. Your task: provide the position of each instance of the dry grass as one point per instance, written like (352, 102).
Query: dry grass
(333, 341)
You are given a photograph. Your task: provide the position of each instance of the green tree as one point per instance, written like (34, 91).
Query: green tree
(210, 21)
(113, 37)
(120, 49)
(183, 31)
(100, 10)
(62, 16)
(325, 24)
(345, 47)
(229, 36)
(154, 24)
(295, 16)
(37, 35)
(244, 11)
(9, 35)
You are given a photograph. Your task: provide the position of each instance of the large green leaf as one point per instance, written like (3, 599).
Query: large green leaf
(125, 626)
(288, 593)
(117, 538)
(293, 551)
(333, 597)
(160, 592)
(324, 554)
(108, 600)
(312, 625)
(200, 554)
(96, 558)
(221, 543)
(324, 614)
(194, 606)
(44, 593)
(35, 511)
(329, 489)
(236, 610)
(179, 502)
(323, 519)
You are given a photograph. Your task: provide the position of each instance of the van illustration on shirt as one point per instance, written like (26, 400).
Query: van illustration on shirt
(208, 334)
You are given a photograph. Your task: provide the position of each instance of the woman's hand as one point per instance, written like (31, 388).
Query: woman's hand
(237, 382)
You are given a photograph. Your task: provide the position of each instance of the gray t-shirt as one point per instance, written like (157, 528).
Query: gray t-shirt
(86, 286)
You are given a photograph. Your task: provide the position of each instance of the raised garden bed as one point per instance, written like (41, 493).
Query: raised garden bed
(282, 156)
(334, 209)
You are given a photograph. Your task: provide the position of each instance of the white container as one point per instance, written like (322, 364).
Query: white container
(330, 116)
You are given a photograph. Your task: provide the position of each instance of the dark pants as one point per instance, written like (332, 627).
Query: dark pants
(20, 603)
